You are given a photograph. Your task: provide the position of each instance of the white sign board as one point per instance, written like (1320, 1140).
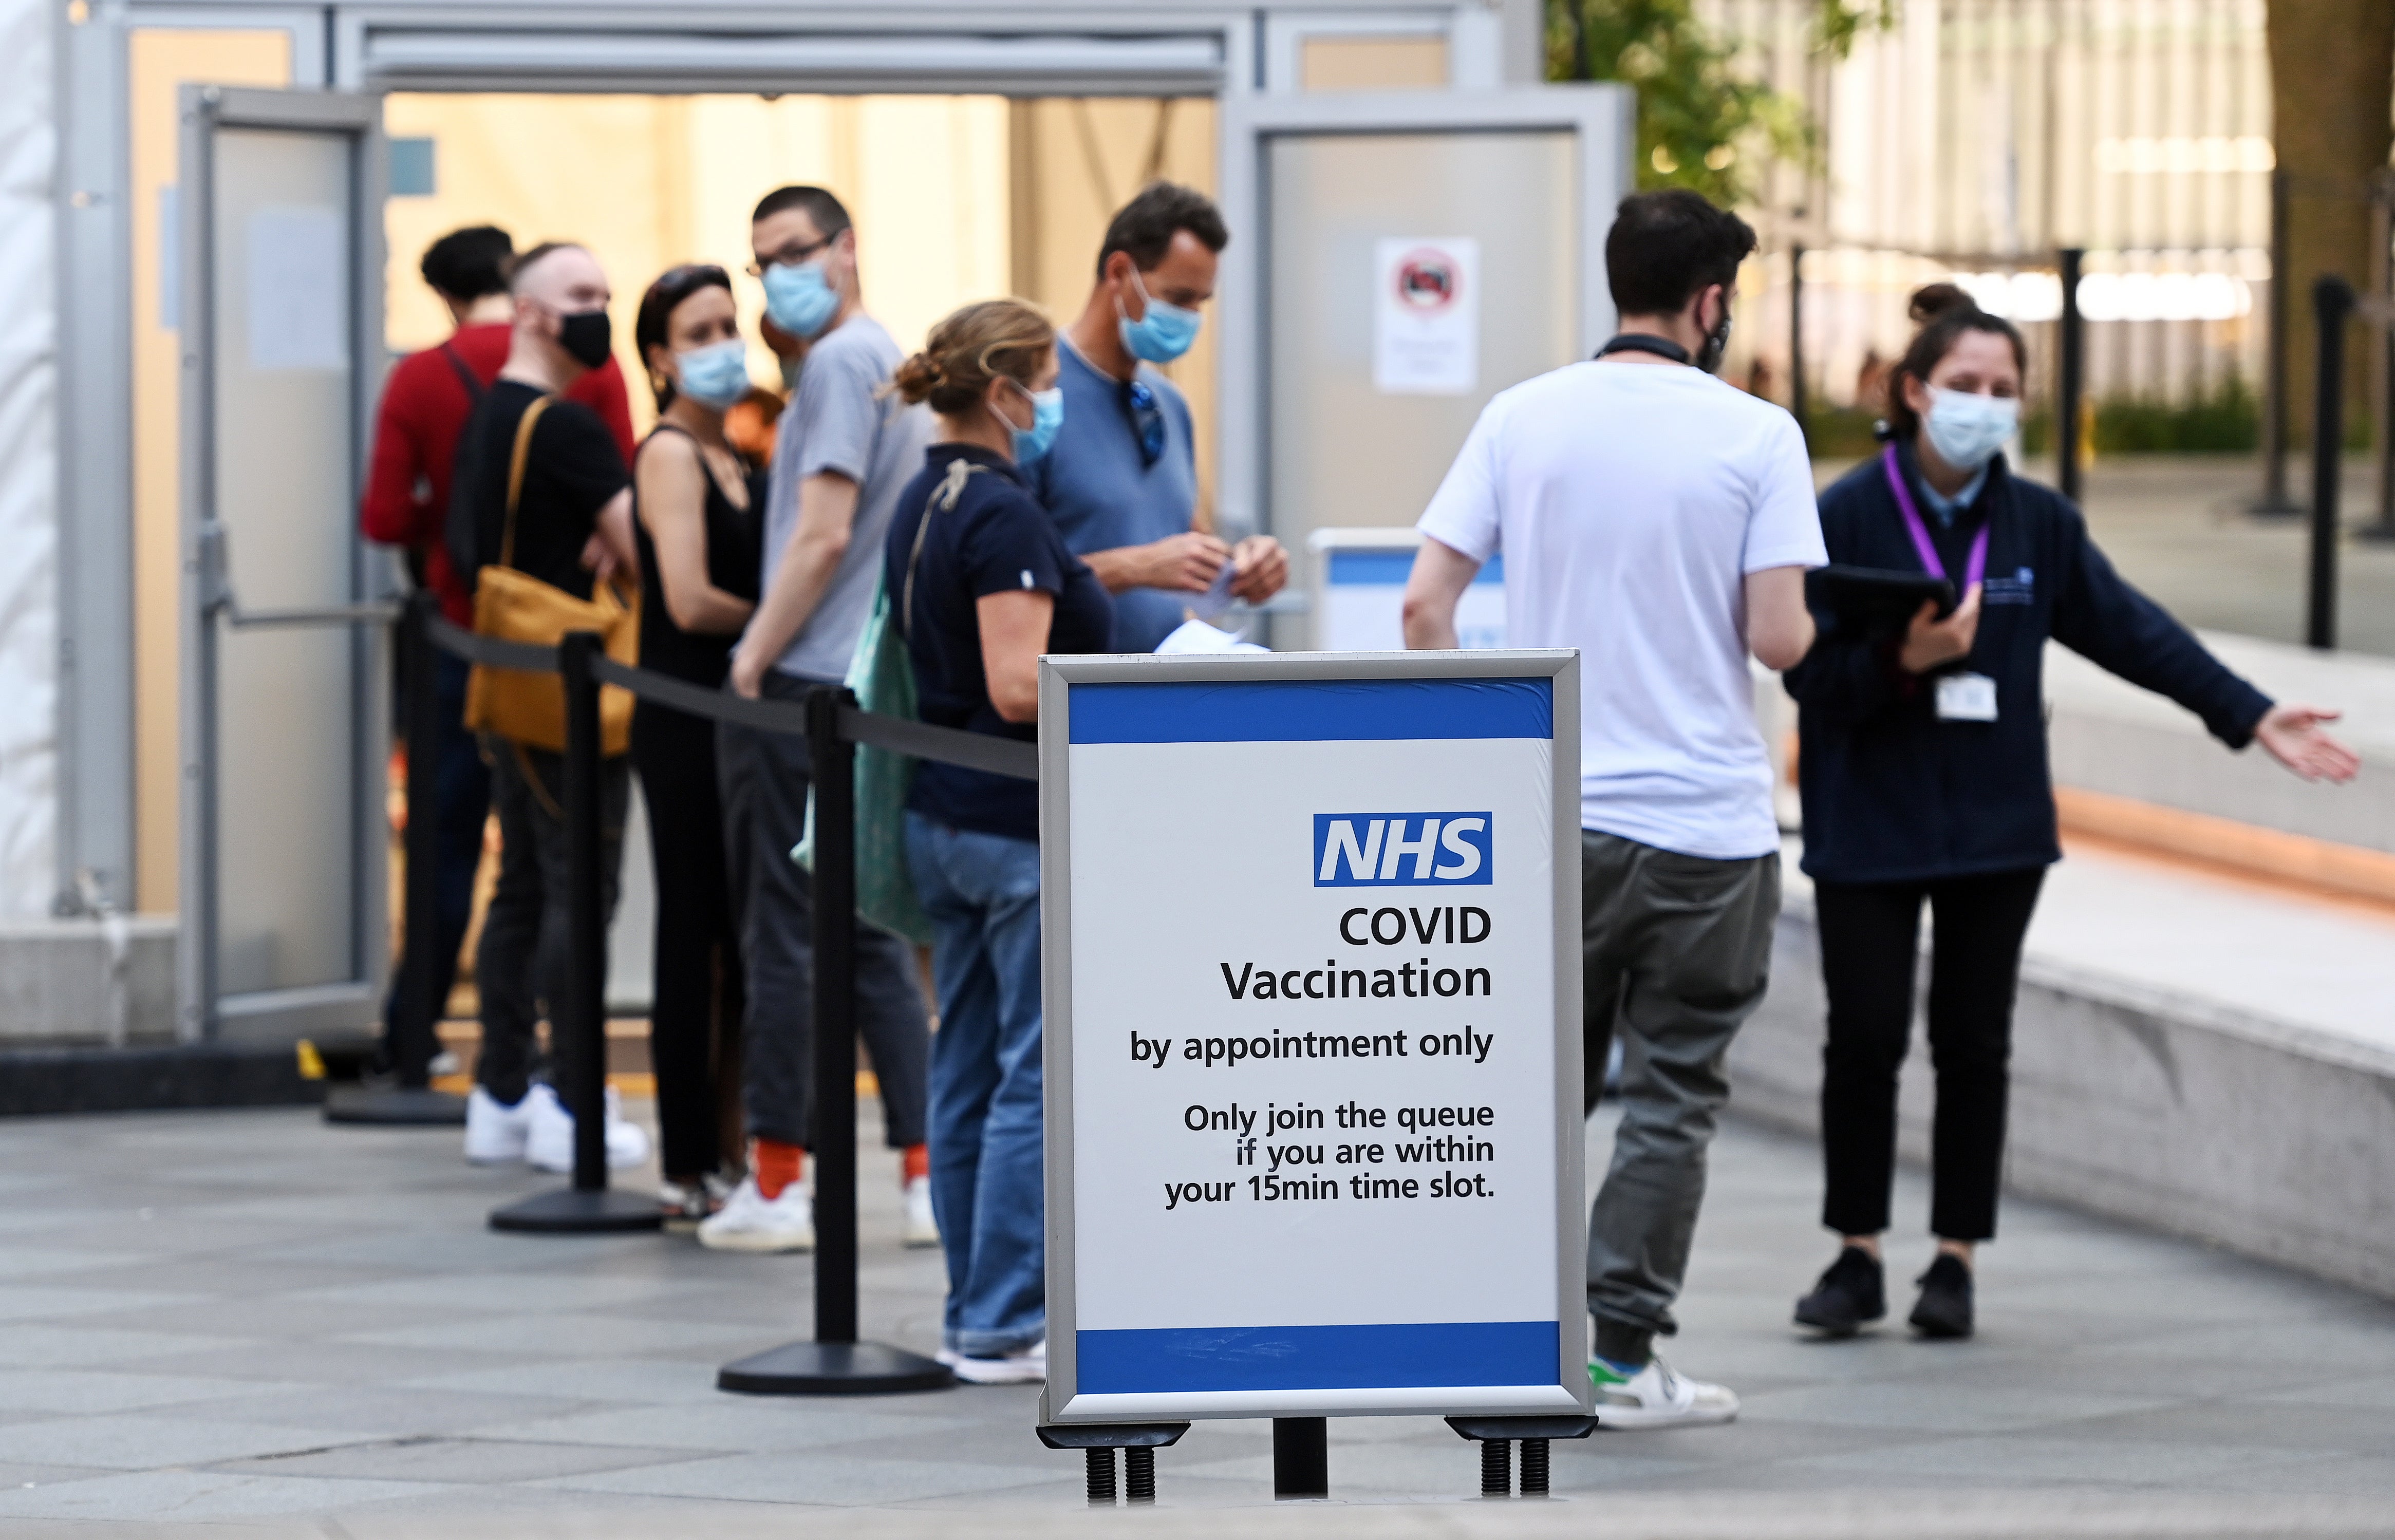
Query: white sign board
(1359, 592)
(1311, 929)
(1426, 317)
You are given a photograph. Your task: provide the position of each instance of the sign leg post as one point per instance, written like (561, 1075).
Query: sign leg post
(835, 1363)
(1496, 1468)
(1534, 1468)
(1139, 1474)
(1300, 1457)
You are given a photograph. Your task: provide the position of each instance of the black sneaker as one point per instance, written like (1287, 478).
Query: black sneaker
(1851, 1293)
(1945, 1307)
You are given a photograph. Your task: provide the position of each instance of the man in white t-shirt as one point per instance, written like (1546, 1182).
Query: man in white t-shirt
(1661, 521)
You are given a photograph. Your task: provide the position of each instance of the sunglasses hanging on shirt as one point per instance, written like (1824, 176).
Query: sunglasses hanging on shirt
(1146, 419)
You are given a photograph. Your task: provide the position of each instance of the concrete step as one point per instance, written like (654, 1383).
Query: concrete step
(2193, 1053)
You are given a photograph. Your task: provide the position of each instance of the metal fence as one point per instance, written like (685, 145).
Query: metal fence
(1975, 137)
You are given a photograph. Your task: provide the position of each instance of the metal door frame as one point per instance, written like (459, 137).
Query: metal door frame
(210, 601)
(1602, 120)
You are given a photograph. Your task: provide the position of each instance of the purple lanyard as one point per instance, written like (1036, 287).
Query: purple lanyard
(1974, 569)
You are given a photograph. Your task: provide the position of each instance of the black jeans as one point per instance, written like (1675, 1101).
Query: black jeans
(462, 803)
(695, 999)
(521, 967)
(766, 776)
(1869, 952)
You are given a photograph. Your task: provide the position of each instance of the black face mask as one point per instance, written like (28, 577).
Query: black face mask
(587, 337)
(1708, 357)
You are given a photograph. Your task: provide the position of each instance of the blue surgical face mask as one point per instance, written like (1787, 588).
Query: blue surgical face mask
(1967, 429)
(1163, 332)
(799, 300)
(1047, 418)
(715, 376)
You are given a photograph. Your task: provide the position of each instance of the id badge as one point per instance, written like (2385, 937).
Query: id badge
(1967, 698)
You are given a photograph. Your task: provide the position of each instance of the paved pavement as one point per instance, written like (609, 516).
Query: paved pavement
(252, 1320)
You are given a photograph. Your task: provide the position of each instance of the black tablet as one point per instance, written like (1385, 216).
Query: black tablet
(1873, 599)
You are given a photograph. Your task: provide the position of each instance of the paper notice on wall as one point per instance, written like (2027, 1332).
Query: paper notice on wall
(298, 288)
(1426, 317)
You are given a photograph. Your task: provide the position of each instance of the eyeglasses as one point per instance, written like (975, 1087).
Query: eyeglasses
(1146, 419)
(789, 256)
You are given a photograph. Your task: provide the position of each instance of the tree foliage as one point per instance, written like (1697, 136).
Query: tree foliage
(1701, 121)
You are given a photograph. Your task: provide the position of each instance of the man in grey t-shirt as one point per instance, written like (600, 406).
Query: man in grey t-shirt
(845, 450)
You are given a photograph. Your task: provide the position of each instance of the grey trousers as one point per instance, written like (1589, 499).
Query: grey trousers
(764, 778)
(1677, 951)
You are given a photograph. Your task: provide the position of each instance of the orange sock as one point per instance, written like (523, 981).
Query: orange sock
(778, 1166)
(914, 1161)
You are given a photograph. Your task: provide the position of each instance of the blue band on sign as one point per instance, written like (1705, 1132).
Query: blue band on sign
(1391, 568)
(1302, 711)
(1316, 1358)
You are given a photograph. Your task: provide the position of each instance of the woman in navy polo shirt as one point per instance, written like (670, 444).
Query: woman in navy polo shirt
(1923, 767)
(983, 585)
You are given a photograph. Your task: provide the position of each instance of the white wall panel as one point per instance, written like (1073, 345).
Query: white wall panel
(28, 465)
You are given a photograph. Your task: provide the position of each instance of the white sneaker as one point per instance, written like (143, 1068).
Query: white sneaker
(551, 1144)
(1023, 1366)
(496, 1132)
(921, 1230)
(750, 1221)
(1655, 1397)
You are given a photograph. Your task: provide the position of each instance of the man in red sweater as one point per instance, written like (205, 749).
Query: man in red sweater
(425, 405)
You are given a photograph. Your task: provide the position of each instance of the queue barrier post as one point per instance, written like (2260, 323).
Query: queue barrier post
(2070, 374)
(1496, 1436)
(580, 1026)
(2333, 302)
(415, 1013)
(2274, 503)
(835, 1362)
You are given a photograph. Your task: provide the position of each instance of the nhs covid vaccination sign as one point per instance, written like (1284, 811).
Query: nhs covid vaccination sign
(1312, 991)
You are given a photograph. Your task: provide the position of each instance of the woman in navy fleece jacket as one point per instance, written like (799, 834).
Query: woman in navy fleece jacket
(1923, 767)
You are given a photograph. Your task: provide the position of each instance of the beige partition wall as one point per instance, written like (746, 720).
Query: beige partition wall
(650, 181)
(158, 62)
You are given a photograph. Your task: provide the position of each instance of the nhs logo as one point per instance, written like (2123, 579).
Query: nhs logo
(1401, 850)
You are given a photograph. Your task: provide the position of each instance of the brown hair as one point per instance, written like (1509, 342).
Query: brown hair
(1944, 312)
(970, 349)
(657, 305)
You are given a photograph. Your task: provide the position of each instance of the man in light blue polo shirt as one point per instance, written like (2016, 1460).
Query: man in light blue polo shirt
(1121, 479)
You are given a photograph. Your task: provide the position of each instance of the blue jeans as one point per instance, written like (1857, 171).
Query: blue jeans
(982, 892)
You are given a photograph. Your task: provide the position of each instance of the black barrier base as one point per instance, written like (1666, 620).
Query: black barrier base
(832, 1369)
(395, 1107)
(572, 1211)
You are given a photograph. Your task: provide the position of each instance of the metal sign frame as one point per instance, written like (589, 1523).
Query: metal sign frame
(210, 601)
(1062, 1402)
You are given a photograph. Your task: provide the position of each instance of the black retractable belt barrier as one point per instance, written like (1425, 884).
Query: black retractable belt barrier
(835, 1362)
(415, 1013)
(580, 1027)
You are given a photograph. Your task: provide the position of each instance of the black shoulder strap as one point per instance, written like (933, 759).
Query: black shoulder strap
(1645, 342)
(465, 375)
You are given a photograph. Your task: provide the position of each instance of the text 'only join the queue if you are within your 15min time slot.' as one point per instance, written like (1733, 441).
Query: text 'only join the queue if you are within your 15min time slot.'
(1364, 1152)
